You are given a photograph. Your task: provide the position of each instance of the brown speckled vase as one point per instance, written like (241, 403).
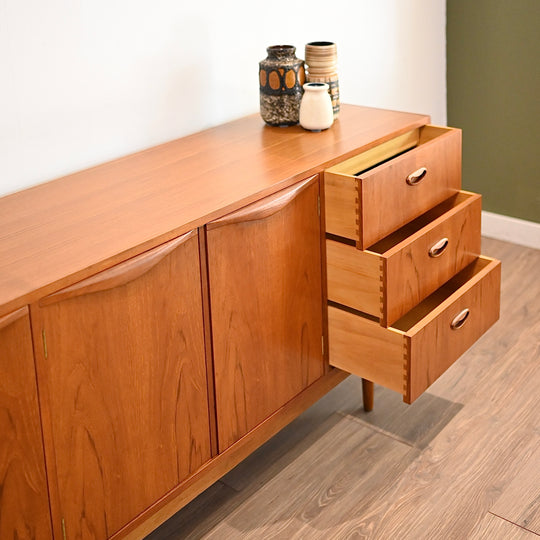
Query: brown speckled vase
(281, 79)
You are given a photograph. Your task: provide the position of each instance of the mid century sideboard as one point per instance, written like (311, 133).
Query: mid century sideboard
(164, 314)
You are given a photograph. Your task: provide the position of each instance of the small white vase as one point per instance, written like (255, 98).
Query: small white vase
(316, 111)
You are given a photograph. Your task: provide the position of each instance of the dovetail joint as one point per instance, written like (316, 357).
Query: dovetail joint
(381, 289)
(406, 355)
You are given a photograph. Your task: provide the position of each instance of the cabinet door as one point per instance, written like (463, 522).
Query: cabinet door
(123, 366)
(24, 503)
(264, 265)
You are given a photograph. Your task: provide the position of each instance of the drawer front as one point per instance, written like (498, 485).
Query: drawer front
(405, 187)
(442, 337)
(409, 356)
(403, 270)
(426, 260)
(341, 192)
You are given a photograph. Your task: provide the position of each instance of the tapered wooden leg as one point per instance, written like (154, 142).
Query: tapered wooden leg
(367, 394)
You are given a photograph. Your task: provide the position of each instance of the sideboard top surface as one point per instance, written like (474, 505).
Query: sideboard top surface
(62, 231)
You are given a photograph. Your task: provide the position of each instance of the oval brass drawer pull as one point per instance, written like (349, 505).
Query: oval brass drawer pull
(416, 176)
(436, 250)
(460, 319)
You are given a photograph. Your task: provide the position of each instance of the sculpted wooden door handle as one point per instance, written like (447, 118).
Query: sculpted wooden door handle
(119, 274)
(268, 206)
(10, 318)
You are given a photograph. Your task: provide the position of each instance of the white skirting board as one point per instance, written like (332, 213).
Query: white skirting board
(510, 229)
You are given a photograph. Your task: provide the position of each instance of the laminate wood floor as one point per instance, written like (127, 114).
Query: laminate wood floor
(462, 462)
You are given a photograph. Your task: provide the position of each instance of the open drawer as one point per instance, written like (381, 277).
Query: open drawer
(371, 195)
(401, 270)
(409, 356)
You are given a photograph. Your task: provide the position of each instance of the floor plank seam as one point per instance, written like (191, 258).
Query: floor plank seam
(376, 429)
(509, 521)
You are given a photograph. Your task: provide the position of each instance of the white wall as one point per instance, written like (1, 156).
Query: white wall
(86, 81)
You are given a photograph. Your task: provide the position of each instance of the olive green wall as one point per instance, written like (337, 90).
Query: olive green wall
(493, 86)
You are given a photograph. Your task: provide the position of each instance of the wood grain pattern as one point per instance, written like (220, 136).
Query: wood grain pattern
(520, 501)
(376, 155)
(409, 356)
(365, 348)
(118, 275)
(400, 264)
(266, 298)
(10, 318)
(124, 389)
(61, 232)
(217, 493)
(313, 478)
(342, 204)
(451, 470)
(469, 465)
(417, 424)
(263, 209)
(231, 457)
(410, 274)
(433, 469)
(481, 294)
(341, 189)
(353, 277)
(24, 508)
(514, 336)
(388, 202)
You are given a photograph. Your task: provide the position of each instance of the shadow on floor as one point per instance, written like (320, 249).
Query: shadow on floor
(392, 427)
(416, 424)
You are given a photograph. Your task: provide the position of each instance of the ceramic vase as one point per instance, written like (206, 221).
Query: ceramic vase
(316, 112)
(321, 66)
(281, 79)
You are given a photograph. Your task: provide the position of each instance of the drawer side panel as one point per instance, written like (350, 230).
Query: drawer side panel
(353, 277)
(363, 347)
(341, 205)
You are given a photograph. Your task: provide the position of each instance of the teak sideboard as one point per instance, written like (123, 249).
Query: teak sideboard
(164, 314)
